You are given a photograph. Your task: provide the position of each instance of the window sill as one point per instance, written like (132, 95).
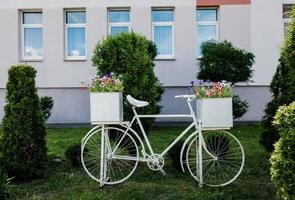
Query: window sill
(168, 58)
(80, 59)
(31, 60)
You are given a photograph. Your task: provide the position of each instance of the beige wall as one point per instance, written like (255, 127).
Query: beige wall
(54, 72)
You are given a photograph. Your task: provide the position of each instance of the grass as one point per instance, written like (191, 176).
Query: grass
(65, 183)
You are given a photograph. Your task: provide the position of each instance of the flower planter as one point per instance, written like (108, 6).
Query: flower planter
(106, 107)
(215, 112)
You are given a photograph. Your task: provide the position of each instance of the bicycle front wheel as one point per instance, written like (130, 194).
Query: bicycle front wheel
(112, 160)
(222, 158)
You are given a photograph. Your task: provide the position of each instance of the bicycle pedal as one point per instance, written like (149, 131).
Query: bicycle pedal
(162, 172)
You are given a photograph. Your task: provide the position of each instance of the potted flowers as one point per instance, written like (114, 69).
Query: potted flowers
(214, 104)
(106, 99)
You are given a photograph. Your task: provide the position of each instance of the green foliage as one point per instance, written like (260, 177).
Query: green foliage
(282, 88)
(222, 61)
(46, 104)
(23, 143)
(73, 154)
(239, 107)
(4, 190)
(283, 157)
(131, 56)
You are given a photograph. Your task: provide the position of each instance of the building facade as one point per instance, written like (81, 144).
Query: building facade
(57, 37)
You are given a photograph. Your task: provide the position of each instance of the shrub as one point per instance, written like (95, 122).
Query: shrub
(23, 143)
(282, 88)
(4, 190)
(46, 106)
(131, 56)
(239, 107)
(283, 157)
(73, 154)
(222, 61)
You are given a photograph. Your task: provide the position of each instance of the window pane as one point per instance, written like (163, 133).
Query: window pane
(163, 16)
(76, 17)
(119, 29)
(33, 42)
(119, 16)
(76, 41)
(205, 33)
(206, 15)
(163, 39)
(32, 18)
(287, 11)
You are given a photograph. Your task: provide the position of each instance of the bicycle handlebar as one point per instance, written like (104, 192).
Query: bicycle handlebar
(185, 96)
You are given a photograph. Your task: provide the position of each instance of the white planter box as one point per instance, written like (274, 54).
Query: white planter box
(106, 107)
(215, 112)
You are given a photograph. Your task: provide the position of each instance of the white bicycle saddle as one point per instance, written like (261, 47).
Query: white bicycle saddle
(136, 103)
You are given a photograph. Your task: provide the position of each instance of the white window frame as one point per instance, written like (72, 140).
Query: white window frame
(118, 24)
(208, 23)
(172, 24)
(83, 25)
(23, 27)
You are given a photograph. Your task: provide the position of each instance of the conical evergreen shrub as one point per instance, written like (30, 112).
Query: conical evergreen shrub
(282, 88)
(23, 143)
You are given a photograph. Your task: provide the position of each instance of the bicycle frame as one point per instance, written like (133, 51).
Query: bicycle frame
(196, 123)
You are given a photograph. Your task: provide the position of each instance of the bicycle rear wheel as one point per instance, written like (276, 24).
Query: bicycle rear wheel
(117, 166)
(225, 165)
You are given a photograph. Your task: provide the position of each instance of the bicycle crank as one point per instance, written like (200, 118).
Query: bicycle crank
(156, 163)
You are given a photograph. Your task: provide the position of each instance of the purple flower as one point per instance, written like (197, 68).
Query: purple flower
(201, 82)
(192, 83)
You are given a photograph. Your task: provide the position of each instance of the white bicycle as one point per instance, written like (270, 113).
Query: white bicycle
(110, 153)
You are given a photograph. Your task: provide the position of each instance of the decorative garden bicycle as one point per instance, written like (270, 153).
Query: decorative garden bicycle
(110, 152)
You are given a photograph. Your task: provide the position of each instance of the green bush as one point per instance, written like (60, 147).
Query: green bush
(23, 143)
(239, 107)
(4, 190)
(131, 55)
(46, 106)
(283, 157)
(73, 154)
(222, 61)
(282, 88)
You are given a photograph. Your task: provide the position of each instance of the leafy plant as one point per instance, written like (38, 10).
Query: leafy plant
(106, 83)
(46, 104)
(23, 143)
(217, 90)
(283, 157)
(4, 190)
(131, 56)
(222, 61)
(239, 107)
(73, 154)
(282, 88)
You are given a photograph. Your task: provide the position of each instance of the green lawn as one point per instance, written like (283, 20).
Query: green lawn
(64, 182)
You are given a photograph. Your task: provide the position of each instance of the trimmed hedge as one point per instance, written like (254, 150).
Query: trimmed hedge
(283, 157)
(23, 143)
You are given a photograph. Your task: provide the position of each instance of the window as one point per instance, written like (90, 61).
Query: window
(32, 42)
(207, 27)
(119, 21)
(75, 35)
(163, 32)
(287, 16)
